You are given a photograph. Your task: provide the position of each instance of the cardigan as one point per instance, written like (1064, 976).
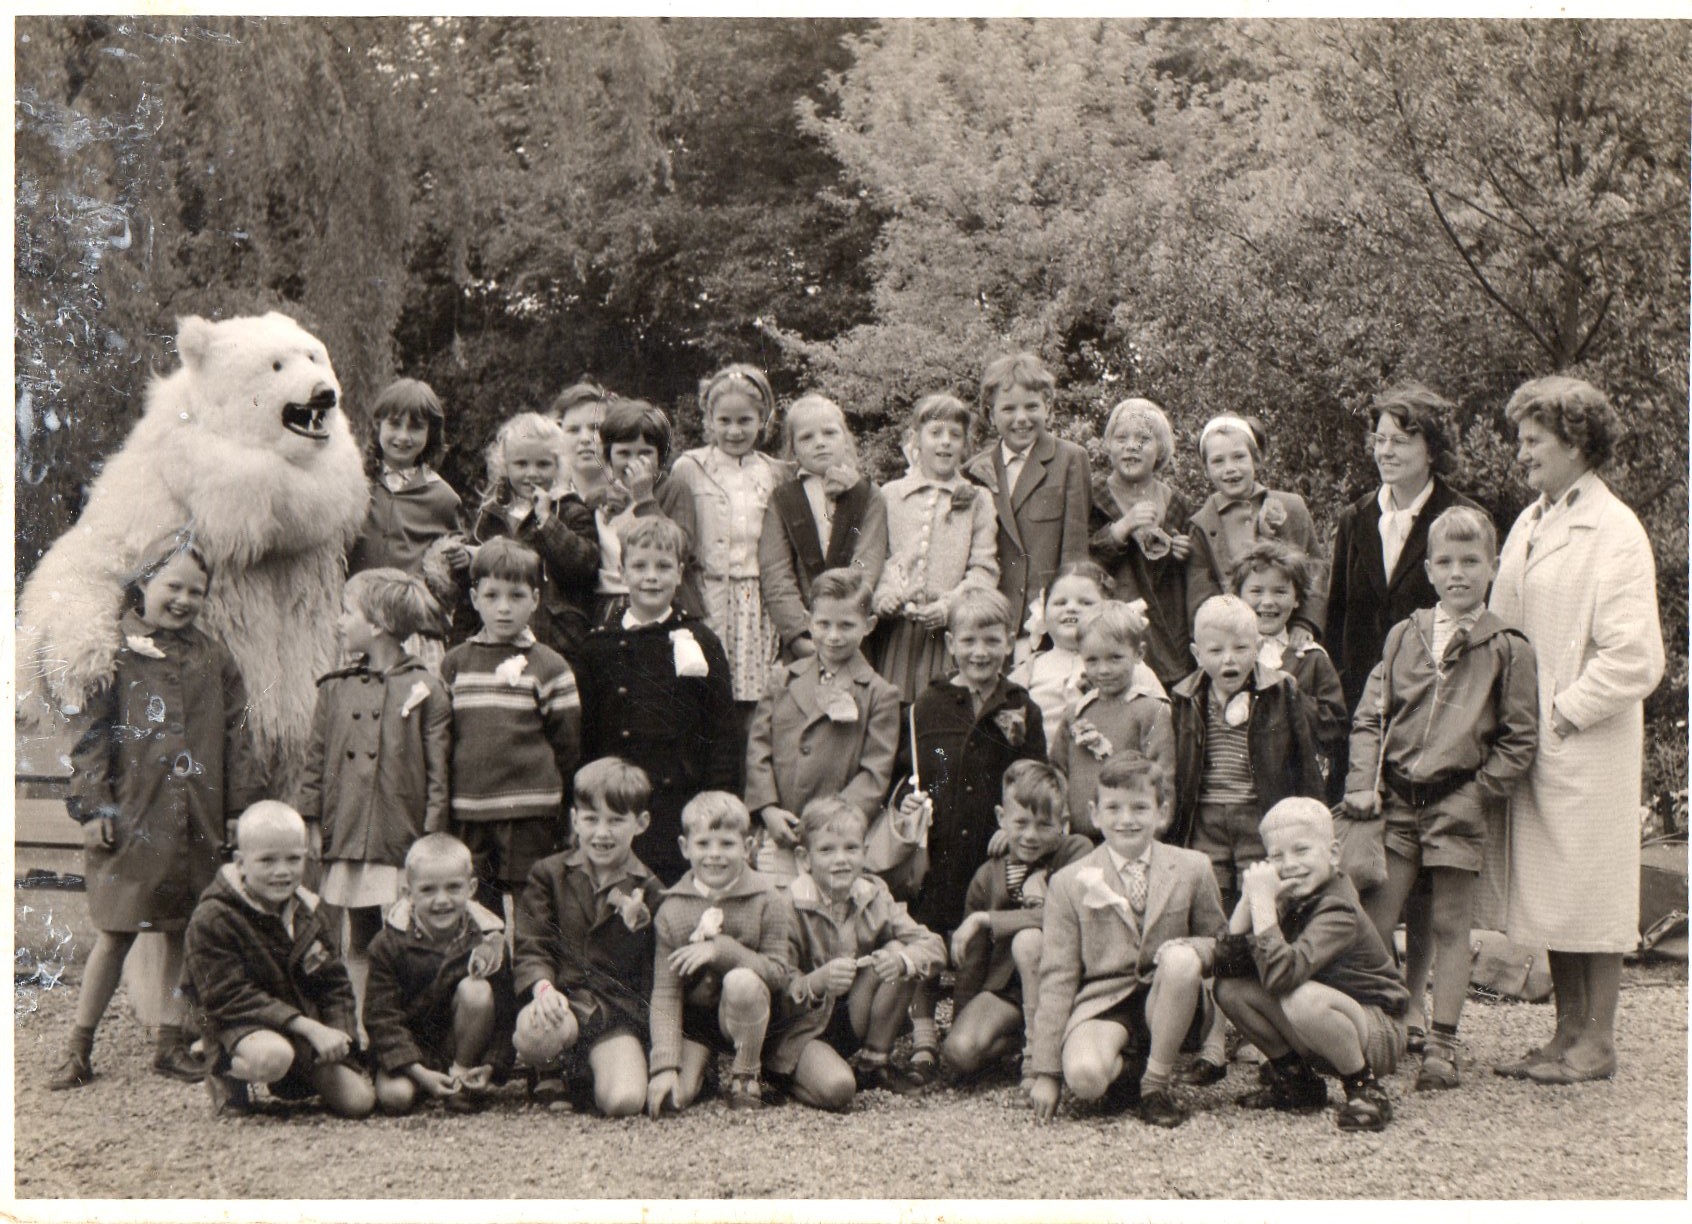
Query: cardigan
(1095, 953)
(516, 729)
(1135, 721)
(791, 556)
(940, 537)
(753, 934)
(376, 771)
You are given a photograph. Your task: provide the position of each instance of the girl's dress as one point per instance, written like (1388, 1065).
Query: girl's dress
(376, 775)
(164, 751)
(730, 497)
(1222, 531)
(942, 535)
(568, 546)
(1162, 582)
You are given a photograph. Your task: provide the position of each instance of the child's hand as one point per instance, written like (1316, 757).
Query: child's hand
(967, 930)
(456, 554)
(543, 505)
(551, 1007)
(889, 601)
(1180, 547)
(661, 1092)
(1299, 636)
(887, 964)
(433, 1083)
(641, 475)
(1140, 514)
(314, 839)
(1261, 885)
(835, 977)
(782, 824)
(691, 958)
(487, 956)
(803, 648)
(931, 615)
(1157, 956)
(998, 845)
(912, 808)
(100, 833)
(615, 498)
(1044, 1097)
(330, 1045)
(1240, 921)
(474, 1078)
(1363, 804)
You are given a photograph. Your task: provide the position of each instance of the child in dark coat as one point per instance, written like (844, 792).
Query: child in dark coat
(438, 1008)
(278, 1004)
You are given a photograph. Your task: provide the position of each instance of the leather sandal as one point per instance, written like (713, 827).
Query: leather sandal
(1439, 1065)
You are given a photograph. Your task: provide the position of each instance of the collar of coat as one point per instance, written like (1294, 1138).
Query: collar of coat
(750, 884)
(984, 467)
(229, 877)
(481, 919)
(409, 663)
(1485, 627)
(633, 870)
(807, 894)
(1262, 678)
(1003, 693)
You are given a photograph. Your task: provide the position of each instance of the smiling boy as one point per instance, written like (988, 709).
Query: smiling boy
(278, 1004)
(1127, 940)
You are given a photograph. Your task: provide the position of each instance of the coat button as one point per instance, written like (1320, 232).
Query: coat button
(621, 691)
(351, 755)
(804, 750)
(371, 755)
(356, 716)
(376, 715)
(625, 733)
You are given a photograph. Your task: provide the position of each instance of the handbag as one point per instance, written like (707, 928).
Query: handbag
(896, 848)
(1362, 843)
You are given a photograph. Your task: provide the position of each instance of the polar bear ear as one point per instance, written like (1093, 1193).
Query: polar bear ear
(193, 340)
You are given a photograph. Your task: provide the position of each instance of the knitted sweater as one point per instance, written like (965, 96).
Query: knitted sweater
(753, 935)
(516, 722)
(1133, 721)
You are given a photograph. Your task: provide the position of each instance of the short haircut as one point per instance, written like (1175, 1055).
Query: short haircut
(394, 601)
(1466, 525)
(438, 848)
(576, 395)
(1225, 612)
(1131, 770)
(632, 420)
(158, 554)
(1421, 411)
(815, 400)
(1579, 414)
(973, 607)
(656, 532)
(1092, 571)
(1299, 812)
(267, 814)
(1038, 787)
(613, 784)
(1118, 621)
(830, 812)
(410, 399)
(942, 407)
(506, 559)
(711, 810)
(1272, 555)
(749, 380)
(524, 427)
(1016, 370)
(1144, 412)
(843, 584)
(1249, 428)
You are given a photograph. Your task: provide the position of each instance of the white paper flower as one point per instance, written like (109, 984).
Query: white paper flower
(417, 696)
(143, 646)
(1100, 895)
(1271, 653)
(511, 671)
(840, 708)
(631, 908)
(690, 657)
(710, 926)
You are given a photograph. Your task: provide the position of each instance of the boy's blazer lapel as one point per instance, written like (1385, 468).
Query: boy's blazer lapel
(1033, 469)
(988, 469)
(803, 687)
(1160, 883)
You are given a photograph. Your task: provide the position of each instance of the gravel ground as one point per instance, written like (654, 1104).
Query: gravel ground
(133, 1134)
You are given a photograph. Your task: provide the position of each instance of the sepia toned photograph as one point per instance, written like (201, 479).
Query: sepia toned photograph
(972, 616)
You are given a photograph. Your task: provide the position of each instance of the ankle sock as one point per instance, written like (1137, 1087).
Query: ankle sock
(82, 1039)
(1156, 1077)
(1445, 1030)
(872, 1058)
(925, 1033)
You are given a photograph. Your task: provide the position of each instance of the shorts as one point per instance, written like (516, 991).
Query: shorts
(1226, 833)
(595, 1021)
(300, 1081)
(1131, 1015)
(1383, 1046)
(505, 850)
(840, 1035)
(1449, 833)
(700, 1023)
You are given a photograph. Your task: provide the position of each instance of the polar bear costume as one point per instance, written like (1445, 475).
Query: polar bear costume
(247, 447)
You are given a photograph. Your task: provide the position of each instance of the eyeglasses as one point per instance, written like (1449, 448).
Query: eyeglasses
(1390, 442)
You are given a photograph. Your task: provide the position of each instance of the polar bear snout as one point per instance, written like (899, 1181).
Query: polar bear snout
(311, 418)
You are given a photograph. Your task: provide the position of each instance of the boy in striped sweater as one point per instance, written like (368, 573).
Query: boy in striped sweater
(516, 726)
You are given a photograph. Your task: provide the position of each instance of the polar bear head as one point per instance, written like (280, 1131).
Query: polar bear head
(264, 381)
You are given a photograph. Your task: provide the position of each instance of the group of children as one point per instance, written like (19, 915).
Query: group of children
(649, 716)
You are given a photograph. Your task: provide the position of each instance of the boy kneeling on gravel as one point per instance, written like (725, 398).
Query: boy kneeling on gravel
(1303, 974)
(279, 1007)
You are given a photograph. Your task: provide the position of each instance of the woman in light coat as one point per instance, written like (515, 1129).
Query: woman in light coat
(1577, 577)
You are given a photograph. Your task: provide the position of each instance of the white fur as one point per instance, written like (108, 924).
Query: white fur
(274, 513)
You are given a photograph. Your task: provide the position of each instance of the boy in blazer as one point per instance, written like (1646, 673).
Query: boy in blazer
(1128, 936)
(1041, 485)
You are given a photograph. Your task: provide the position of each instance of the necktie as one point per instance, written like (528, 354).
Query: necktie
(1137, 886)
